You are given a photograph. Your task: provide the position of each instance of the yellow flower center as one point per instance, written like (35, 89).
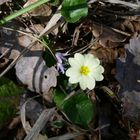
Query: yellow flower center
(84, 70)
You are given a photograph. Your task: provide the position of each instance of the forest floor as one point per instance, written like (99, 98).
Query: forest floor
(43, 43)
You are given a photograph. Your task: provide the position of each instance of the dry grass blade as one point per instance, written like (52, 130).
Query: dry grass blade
(108, 91)
(53, 22)
(121, 32)
(23, 118)
(91, 1)
(2, 55)
(128, 4)
(40, 123)
(3, 1)
(67, 136)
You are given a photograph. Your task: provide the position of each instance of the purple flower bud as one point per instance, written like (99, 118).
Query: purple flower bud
(60, 57)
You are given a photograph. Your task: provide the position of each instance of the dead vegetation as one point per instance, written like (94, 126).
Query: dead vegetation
(28, 46)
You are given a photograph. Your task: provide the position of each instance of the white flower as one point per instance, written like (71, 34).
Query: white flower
(85, 70)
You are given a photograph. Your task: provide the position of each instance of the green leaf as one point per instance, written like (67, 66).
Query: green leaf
(6, 112)
(59, 97)
(47, 56)
(9, 100)
(57, 124)
(73, 10)
(8, 88)
(79, 109)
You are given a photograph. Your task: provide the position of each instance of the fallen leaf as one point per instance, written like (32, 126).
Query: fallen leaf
(134, 49)
(33, 108)
(53, 22)
(33, 72)
(9, 45)
(20, 133)
(106, 54)
(106, 36)
(31, 69)
(29, 2)
(128, 75)
(130, 25)
(131, 105)
(15, 122)
(40, 123)
(43, 10)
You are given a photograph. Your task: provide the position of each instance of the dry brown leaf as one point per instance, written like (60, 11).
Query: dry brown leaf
(76, 35)
(14, 122)
(12, 43)
(9, 44)
(106, 36)
(43, 10)
(107, 55)
(20, 134)
(37, 28)
(53, 22)
(132, 18)
(131, 26)
(29, 2)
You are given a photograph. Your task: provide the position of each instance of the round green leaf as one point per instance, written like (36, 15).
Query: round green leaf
(79, 109)
(59, 97)
(73, 10)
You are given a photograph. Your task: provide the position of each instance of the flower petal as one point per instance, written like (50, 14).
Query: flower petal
(97, 73)
(91, 83)
(100, 69)
(74, 63)
(98, 77)
(74, 75)
(79, 58)
(72, 72)
(91, 61)
(87, 82)
(74, 79)
(83, 83)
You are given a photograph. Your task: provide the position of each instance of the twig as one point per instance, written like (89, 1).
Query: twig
(121, 32)
(128, 4)
(67, 136)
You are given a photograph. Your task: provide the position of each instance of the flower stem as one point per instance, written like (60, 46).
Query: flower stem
(22, 11)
